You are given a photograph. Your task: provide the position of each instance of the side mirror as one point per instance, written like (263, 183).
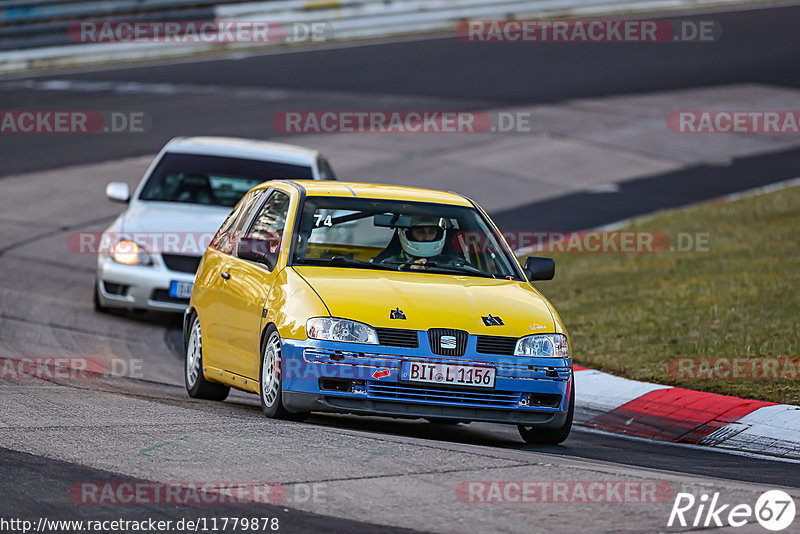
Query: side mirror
(118, 192)
(262, 251)
(540, 268)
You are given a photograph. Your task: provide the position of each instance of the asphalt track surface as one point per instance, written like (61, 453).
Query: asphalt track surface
(759, 46)
(443, 73)
(26, 500)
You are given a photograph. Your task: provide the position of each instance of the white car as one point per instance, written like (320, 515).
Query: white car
(153, 248)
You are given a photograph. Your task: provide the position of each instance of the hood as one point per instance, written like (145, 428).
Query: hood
(147, 216)
(431, 300)
(172, 226)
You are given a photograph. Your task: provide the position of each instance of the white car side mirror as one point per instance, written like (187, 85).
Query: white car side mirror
(118, 192)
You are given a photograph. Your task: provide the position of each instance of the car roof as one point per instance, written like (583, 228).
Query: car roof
(378, 191)
(234, 147)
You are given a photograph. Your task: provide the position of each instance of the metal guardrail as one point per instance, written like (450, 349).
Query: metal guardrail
(38, 23)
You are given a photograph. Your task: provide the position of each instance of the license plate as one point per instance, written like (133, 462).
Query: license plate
(446, 374)
(180, 290)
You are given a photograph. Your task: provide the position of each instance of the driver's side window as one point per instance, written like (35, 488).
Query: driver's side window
(262, 241)
(225, 237)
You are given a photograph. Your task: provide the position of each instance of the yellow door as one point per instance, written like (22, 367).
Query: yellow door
(209, 286)
(210, 281)
(247, 281)
(241, 304)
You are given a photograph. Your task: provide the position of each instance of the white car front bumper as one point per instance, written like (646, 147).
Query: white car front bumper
(140, 287)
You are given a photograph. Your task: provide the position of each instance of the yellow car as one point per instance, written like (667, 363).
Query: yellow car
(377, 300)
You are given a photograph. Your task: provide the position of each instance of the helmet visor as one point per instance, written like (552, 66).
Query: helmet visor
(424, 234)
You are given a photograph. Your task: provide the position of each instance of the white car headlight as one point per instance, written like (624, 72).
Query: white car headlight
(131, 253)
(543, 345)
(333, 329)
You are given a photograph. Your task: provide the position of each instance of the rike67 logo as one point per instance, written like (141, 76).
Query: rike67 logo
(774, 510)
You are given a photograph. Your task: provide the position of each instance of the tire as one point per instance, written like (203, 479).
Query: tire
(196, 384)
(536, 435)
(270, 385)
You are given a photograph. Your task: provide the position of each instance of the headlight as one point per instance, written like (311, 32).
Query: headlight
(543, 345)
(332, 329)
(130, 253)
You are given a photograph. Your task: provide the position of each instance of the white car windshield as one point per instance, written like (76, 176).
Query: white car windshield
(213, 180)
(399, 235)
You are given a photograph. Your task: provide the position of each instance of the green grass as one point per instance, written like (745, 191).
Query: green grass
(629, 314)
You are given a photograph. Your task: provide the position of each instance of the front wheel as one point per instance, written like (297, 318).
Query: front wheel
(196, 384)
(271, 385)
(536, 435)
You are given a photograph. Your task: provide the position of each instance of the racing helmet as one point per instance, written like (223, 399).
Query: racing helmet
(423, 249)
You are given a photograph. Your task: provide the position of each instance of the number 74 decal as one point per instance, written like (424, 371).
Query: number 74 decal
(322, 219)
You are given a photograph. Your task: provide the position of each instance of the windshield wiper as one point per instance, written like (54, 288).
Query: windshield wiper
(341, 261)
(468, 269)
(461, 269)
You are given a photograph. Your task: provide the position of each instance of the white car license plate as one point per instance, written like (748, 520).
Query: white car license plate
(180, 290)
(447, 374)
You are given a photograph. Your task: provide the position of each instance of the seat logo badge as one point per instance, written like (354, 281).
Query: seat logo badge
(447, 342)
(491, 320)
(397, 313)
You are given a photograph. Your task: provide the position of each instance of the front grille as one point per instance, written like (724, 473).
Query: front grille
(395, 337)
(496, 345)
(181, 262)
(162, 295)
(442, 347)
(414, 393)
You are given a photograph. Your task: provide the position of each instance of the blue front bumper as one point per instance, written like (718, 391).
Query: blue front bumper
(365, 379)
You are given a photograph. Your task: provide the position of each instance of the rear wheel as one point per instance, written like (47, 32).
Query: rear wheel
(270, 386)
(196, 384)
(536, 435)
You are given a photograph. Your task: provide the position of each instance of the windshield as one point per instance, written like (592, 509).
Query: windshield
(213, 180)
(400, 236)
